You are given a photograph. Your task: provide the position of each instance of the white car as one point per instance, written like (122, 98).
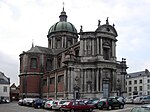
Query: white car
(49, 104)
(130, 99)
(28, 101)
(57, 104)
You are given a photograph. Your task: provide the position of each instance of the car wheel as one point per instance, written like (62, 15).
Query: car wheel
(72, 110)
(90, 110)
(109, 107)
(121, 106)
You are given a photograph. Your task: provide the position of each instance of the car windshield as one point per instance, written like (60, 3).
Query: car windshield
(66, 103)
(95, 101)
(140, 109)
(61, 102)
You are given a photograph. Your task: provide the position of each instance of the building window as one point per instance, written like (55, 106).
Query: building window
(148, 92)
(140, 93)
(5, 88)
(58, 45)
(52, 80)
(49, 64)
(33, 62)
(140, 81)
(135, 81)
(76, 52)
(130, 94)
(130, 82)
(130, 89)
(59, 62)
(60, 78)
(135, 88)
(148, 86)
(106, 53)
(44, 82)
(148, 80)
(140, 88)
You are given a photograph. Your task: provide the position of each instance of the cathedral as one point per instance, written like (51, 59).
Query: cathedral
(74, 65)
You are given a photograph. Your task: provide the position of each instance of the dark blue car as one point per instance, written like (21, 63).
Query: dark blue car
(38, 103)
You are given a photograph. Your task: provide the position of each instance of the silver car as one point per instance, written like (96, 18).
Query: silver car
(146, 99)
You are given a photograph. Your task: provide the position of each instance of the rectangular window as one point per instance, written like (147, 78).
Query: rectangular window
(130, 82)
(5, 88)
(135, 81)
(148, 92)
(140, 88)
(33, 62)
(135, 88)
(60, 78)
(44, 82)
(148, 80)
(130, 89)
(148, 86)
(49, 64)
(52, 80)
(106, 53)
(140, 81)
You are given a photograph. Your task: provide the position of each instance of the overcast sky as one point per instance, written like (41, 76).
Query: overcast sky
(22, 21)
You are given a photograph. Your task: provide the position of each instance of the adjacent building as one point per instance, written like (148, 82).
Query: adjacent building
(4, 87)
(74, 65)
(138, 83)
(14, 92)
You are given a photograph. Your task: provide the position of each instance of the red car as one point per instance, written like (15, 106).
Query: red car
(75, 106)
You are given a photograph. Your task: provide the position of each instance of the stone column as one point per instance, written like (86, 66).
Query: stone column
(101, 80)
(81, 48)
(85, 84)
(81, 79)
(98, 49)
(97, 79)
(93, 47)
(62, 42)
(114, 80)
(85, 50)
(68, 74)
(72, 79)
(56, 85)
(93, 76)
(113, 49)
(51, 43)
(54, 44)
(101, 46)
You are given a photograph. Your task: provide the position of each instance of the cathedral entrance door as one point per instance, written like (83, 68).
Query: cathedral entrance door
(106, 88)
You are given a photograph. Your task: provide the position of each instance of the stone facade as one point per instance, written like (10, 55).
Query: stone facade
(69, 68)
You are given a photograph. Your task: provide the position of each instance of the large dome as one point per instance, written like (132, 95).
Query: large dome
(62, 26)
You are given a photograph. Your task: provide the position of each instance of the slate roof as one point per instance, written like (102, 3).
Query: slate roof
(139, 74)
(4, 79)
(44, 50)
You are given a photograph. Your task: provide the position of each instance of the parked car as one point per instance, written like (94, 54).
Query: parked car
(144, 108)
(110, 103)
(93, 102)
(49, 104)
(138, 100)
(20, 102)
(145, 99)
(76, 106)
(38, 103)
(28, 101)
(130, 99)
(57, 104)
